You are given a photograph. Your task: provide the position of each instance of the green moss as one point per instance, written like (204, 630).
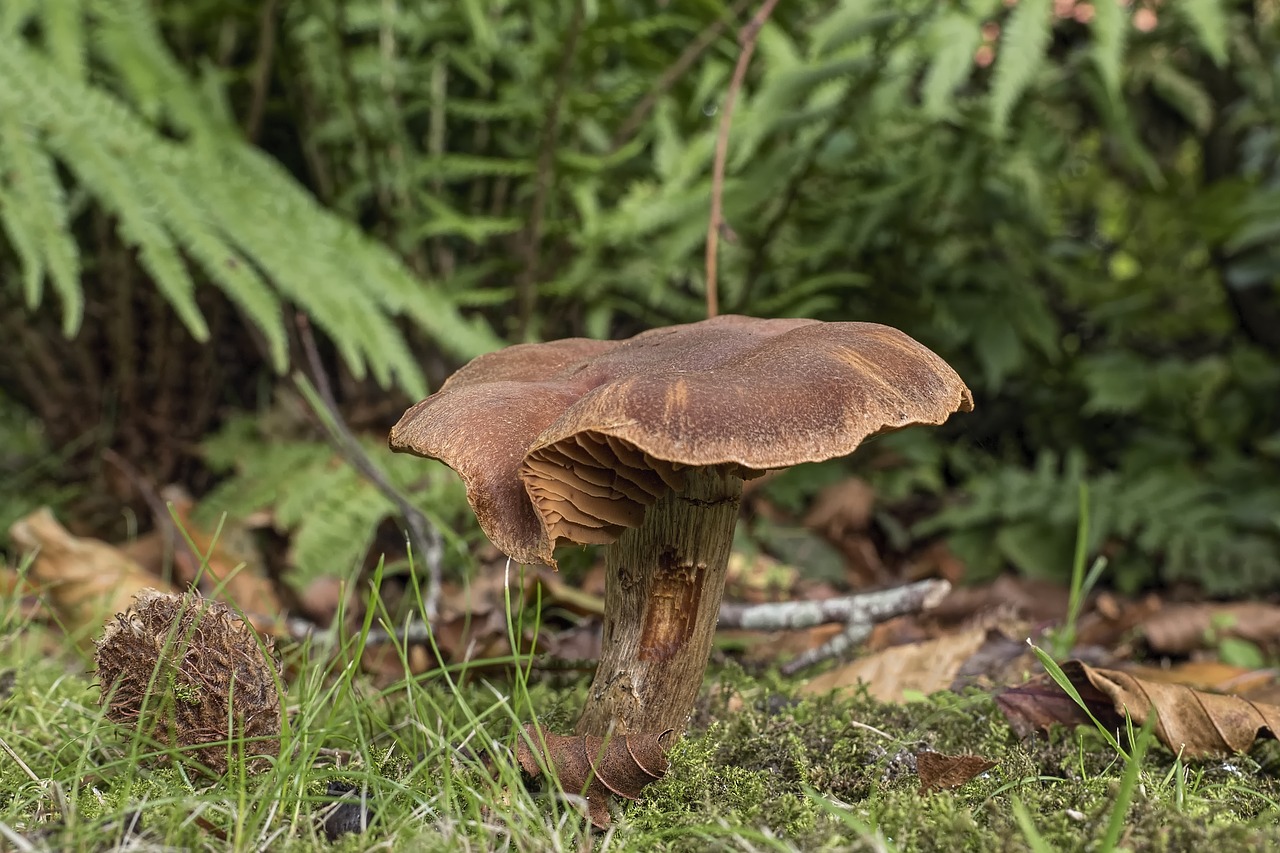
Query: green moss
(819, 771)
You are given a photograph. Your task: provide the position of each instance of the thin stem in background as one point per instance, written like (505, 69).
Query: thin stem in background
(683, 63)
(423, 537)
(747, 38)
(544, 180)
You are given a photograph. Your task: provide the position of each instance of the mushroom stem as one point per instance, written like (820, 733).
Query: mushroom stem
(662, 599)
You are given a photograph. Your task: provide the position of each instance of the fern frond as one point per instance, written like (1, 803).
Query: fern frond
(330, 511)
(478, 19)
(33, 209)
(465, 167)
(352, 511)
(1109, 29)
(212, 200)
(495, 111)
(955, 37)
(1023, 44)
(81, 120)
(153, 81)
(1184, 94)
(852, 20)
(187, 217)
(1208, 20)
(62, 24)
(446, 221)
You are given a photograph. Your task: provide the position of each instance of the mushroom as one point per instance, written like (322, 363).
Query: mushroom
(642, 445)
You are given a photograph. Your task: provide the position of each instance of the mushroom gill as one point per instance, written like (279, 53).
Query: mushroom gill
(590, 487)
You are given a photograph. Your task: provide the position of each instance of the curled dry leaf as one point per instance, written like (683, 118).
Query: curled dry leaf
(86, 579)
(1191, 722)
(596, 766)
(939, 771)
(842, 509)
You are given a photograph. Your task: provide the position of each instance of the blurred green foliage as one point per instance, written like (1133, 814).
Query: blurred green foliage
(1076, 204)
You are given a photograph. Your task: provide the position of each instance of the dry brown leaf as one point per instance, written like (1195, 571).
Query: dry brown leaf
(1113, 620)
(889, 674)
(1211, 675)
(1183, 628)
(841, 509)
(936, 561)
(596, 766)
(150, 551)
(86, 579)
(1025, 598)
(1039, 704)
(938, 771)
(841, 514)
(1192, 722)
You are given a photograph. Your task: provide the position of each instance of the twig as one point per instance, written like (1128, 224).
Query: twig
(423, 537)
(18, 760)
(864, 607)
(747, 39)
(854, 634)
(683, 62)
(859, 613)
(545, 177)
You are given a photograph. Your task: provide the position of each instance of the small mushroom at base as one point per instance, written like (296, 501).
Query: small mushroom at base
(642, 445)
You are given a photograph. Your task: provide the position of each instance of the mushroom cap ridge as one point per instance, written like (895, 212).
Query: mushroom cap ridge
(756, 393)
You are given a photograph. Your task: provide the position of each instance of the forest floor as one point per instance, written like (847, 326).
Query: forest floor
(425, 762)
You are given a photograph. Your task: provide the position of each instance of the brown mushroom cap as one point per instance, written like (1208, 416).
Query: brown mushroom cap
(573, 439)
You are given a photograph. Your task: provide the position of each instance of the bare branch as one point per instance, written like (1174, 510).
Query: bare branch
(423, 537)
(747, 39)
(859, 612)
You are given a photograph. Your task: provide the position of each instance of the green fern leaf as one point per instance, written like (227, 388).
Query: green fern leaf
(1208, 19)
(481, 30)
(132, 45)
(188, 218)
(62, 23)
(1109, 28)
(955, 37)
(352, 510)
(80, 121)
(465, 167)
(140, 224)
(1023, 44)
(35, 216)
(1184, 94)
(446, 221)
(15, 14)
(852, 20)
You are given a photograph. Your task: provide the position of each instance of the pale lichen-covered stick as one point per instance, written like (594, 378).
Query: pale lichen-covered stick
(642, 445)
